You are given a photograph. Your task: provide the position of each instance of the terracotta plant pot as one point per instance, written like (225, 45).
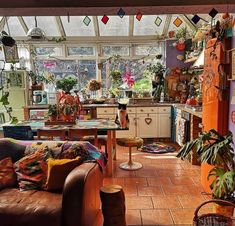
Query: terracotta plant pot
(52, 118)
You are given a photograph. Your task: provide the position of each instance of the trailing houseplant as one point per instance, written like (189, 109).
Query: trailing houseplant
(214, 149)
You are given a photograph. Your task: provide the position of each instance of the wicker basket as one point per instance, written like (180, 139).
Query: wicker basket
(213, 219)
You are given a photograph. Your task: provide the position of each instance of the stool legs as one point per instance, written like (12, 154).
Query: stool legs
(130, 165)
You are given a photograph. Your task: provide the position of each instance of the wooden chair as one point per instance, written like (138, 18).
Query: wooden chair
(50, 134)
(90, 135)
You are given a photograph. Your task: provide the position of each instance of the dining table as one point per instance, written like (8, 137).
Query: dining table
(104, 126)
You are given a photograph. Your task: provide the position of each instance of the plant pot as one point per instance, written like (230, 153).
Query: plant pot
(225, 210)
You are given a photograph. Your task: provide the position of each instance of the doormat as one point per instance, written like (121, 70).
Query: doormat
(157, 148)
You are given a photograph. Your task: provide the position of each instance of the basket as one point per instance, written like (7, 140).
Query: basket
(213, 219)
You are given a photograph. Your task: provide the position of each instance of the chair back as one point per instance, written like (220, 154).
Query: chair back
(51, 134)
(18, 132)
(79, 134)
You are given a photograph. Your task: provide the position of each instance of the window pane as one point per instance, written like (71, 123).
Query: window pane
(81, 51)
(115, 50)
(145, 50)
(45, 51)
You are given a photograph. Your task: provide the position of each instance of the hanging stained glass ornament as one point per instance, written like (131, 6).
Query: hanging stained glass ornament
(158, 21)
(121, 13)
(139, 15)
(86, 20)
(177, 22)
(213, 12)
(195, 19)
(105, 19)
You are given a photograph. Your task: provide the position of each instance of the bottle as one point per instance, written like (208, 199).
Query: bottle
(162, 97)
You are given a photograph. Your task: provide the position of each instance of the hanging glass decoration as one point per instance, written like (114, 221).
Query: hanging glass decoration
(139, 15)
(121, 13)
(213, 12)
(158, 21)
(86, 20)
(177, 22)
(105, 19)
(195, 19)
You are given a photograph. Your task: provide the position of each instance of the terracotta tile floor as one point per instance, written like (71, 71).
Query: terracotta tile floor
(165, 191)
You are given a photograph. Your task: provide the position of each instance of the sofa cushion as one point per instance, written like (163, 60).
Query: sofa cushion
(32, 170)
(58, 170)
(36, 208)
(7, 173)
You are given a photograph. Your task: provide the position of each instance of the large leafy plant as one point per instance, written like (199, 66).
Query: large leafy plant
(66, 84)
(215, 149)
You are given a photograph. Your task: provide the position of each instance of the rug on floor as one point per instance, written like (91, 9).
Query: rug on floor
(157, 148)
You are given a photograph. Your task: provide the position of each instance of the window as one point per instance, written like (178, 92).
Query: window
(115, 50)
(48, 51)
(81, 50)
(153, 49)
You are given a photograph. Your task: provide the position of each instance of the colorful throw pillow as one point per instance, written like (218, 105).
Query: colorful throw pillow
(58, 170)
(31, 170)
(7, 173)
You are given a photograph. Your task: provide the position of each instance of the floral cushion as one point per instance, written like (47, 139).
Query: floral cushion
(7, 173)
(31, 170)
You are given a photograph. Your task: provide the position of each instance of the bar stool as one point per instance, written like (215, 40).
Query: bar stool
(130, 142)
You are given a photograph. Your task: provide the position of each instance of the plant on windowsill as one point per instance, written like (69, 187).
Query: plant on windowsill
(216, 150)
(66, 84)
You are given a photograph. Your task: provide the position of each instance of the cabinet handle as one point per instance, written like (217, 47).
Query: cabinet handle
(151, 109)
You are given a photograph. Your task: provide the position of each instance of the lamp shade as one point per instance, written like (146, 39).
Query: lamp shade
(36, 33)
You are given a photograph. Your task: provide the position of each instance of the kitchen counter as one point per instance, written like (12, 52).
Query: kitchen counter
(192, 112)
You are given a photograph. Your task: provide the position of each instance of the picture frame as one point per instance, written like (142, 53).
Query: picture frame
(11, 54)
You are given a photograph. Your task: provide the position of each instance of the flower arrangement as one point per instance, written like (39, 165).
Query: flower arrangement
(128, 79)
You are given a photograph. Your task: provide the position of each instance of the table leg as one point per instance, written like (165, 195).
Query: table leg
(114, 145)
(110, 153)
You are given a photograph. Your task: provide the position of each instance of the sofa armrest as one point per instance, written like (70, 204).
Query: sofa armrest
(81, 201)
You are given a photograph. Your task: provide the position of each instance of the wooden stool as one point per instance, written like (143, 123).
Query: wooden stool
(113, 205)
(130, 142)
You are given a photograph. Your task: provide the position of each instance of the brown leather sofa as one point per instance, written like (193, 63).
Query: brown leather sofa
(77, 205)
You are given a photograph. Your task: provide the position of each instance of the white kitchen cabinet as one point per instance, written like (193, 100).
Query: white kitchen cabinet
(145, 122)
(132, 128)
(164, 125)
(147, 125)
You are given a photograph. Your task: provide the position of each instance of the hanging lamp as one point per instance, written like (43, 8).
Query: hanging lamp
(36, 32)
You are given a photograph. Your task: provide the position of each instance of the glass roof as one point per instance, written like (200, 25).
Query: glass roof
(147, 26)
(74, 26)
(115, 26)
(46, 23)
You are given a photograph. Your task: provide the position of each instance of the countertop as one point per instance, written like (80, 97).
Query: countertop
(183, 107)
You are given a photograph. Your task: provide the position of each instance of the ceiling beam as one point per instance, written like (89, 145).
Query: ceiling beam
(2, 23)
(23, 24)
(112, 10)
(167, 25)
(131, 25)
(96, 26)
(60, 26)
(107, 3)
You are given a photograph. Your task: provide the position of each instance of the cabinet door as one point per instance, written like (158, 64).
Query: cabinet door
(164, 125)
(147, 125)
(132, 128)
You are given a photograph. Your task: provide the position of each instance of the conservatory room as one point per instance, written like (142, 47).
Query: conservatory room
(119, 115)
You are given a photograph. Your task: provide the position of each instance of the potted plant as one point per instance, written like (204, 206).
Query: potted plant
(66, 84)
(214, 149)
(52, 112)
